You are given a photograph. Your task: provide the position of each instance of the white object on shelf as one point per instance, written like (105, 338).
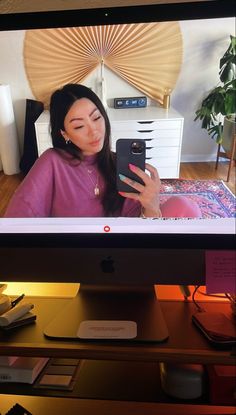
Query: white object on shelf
(23, 370)
(161, 129)
(43, 136)
(183, 381)
(15, 313)
(9, 145)
(5, 303)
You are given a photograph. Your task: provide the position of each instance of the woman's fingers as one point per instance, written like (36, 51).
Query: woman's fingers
(130, 195)
(143, 175)
(135, 185)
(153, 171)
(140, 173)
(148, 192)
(151, 181)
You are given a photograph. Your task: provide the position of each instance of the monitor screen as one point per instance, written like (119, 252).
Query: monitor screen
(134, 59)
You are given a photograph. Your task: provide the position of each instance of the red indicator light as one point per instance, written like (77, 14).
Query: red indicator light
(107, 228)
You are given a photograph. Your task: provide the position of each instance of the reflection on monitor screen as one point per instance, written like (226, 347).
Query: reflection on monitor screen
(103, 115)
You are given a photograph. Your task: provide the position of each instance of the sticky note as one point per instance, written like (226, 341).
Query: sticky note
(220, 272)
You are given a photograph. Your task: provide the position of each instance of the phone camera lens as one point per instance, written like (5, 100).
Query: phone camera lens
(137, 147)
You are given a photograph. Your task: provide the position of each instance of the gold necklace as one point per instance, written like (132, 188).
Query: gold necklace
(96, 189)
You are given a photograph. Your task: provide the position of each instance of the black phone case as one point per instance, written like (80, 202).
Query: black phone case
(124, 157)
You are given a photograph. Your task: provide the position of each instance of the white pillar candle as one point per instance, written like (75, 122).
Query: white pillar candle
(9, 144)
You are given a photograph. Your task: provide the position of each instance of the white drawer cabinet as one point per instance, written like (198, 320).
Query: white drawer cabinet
(161, 129)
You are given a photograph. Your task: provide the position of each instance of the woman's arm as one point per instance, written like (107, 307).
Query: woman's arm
(33, 197)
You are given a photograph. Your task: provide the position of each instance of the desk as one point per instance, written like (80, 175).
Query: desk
(49, 406)
(185, 344)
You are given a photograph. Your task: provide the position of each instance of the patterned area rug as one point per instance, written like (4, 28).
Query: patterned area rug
(213, 196)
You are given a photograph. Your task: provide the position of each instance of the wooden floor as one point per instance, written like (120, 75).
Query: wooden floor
(200, 171)
(207, 171)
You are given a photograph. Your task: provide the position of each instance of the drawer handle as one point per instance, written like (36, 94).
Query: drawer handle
(145, 131)
(145, 122)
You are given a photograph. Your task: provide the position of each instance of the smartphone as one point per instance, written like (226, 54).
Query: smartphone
(129, 151)
(216, 327)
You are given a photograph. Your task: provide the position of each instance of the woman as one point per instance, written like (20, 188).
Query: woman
(76, 178)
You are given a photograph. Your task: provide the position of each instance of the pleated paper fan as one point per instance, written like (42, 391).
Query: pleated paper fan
(146, 55)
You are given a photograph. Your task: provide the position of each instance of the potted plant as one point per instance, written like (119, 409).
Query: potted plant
(218, 108)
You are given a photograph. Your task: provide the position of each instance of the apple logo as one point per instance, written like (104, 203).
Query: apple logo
(107, 265)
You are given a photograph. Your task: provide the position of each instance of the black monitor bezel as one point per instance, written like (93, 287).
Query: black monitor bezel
(120, 240)
(118, 15)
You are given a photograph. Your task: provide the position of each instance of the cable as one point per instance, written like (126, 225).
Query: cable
(199, 308)
(212, 295)
(228, 296)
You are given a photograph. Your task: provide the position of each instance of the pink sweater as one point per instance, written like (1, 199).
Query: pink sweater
(59, 187)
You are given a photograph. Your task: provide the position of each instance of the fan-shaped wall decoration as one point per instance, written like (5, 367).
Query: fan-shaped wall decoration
(146, 55)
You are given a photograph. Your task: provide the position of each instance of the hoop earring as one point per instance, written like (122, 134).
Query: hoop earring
(68, 141)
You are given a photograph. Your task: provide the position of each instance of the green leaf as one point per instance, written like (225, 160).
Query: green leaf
(218, 106)
(228, 73)
(230, 102)
(216, 132)
(221, 100)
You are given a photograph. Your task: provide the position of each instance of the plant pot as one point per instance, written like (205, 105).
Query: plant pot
(228, 133)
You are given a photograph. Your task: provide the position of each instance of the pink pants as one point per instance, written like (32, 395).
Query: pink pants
(180, 207)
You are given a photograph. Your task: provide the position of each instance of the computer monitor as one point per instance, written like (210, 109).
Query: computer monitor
(117, 261)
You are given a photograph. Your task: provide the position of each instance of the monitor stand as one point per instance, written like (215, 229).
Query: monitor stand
(111, 313)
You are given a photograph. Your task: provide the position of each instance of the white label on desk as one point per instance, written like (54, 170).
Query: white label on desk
(107, 329)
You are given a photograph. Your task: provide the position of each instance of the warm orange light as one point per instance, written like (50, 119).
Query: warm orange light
(164, 292)
(42, 289)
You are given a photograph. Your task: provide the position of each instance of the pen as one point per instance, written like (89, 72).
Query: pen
(17, 300)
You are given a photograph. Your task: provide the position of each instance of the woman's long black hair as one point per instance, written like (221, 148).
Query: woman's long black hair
(60, 103)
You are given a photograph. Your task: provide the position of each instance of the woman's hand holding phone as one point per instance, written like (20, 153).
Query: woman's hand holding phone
(148, 193)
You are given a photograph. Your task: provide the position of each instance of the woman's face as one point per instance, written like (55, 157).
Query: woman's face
(85, 126)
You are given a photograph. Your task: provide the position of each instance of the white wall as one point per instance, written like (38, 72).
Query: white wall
(12, 72)
(204, 42)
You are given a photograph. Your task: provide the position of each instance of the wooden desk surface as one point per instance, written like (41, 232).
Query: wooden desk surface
(185, 343)
(48, 406)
